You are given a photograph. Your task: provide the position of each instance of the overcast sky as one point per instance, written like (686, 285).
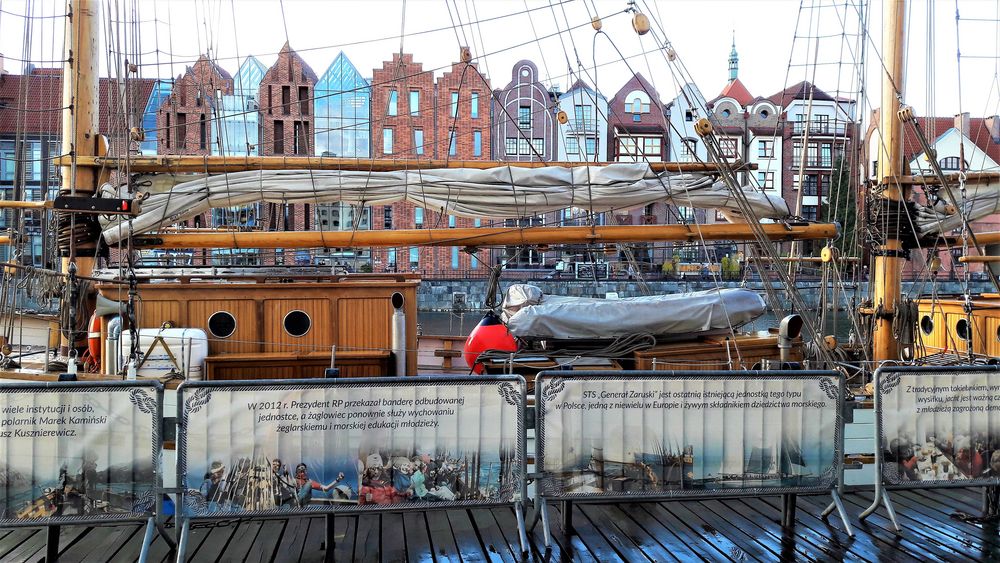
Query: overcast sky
(776, 40)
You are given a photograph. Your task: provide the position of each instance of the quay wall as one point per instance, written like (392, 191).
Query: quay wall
(449, 295)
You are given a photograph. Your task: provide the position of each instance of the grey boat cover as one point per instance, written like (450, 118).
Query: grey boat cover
(530, 314)
(494, 193)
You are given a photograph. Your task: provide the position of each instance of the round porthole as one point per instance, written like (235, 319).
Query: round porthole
(297, 323)
(962, 330)
(927, 324)
(764, 113)
(222, 324)
(726, 113)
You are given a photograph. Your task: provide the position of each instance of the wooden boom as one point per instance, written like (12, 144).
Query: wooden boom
(482, 236)
(222, 164)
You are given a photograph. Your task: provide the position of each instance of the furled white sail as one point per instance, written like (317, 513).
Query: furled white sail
(501, 192)
(979, 200)
(531, 314)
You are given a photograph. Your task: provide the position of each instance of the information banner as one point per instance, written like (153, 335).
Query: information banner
(79, 452)
(657, 434)
(939, 426)
(350, 444)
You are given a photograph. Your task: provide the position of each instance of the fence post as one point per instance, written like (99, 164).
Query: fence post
(51, 544)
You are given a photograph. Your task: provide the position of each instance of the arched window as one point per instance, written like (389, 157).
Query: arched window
(951, 163)
(637, 101)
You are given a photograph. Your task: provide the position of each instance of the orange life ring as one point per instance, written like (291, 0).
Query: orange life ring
(94, 337)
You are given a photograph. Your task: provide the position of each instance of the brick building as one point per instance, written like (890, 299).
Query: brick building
(638, 132)
(463, 114)
(286, 104)
(287, 126)
(415, 117)
(187, 116)
(403, 110)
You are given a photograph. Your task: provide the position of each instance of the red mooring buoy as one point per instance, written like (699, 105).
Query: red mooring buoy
(489, 334)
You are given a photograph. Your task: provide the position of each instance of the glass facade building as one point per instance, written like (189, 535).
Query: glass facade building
(161, 90)
(343, 109)
(238, 125)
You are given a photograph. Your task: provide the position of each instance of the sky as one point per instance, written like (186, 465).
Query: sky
(780, 42)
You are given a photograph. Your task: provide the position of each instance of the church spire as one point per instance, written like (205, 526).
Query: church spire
(734, 61)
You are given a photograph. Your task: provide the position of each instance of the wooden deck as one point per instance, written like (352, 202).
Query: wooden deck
(745, 529)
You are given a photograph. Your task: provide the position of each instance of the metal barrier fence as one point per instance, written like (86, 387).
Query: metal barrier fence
(613, 436)
(80, 453)
(935, 427)
(89, 453)
(333, 446)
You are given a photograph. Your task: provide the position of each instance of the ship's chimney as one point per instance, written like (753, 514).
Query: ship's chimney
(993, 124)
(962, 123)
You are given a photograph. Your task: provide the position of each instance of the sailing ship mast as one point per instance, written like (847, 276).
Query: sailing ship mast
(86, 163)
(889, 257)
(80, 126)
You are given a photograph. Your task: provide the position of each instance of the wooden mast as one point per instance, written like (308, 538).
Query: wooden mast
(886, 281)
(80, 120)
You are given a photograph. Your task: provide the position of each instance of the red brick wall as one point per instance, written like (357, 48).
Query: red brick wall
(402, 75)
(191, 100)
(291, 75)
(465, 80)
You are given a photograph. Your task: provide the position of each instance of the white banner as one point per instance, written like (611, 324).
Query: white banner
(78, 452)
(939, 426)
(329, 445)
(686, 435)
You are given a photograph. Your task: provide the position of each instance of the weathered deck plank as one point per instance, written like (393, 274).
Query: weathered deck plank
(289, 548)
(393, 538)
(767, 533)
(418, 542)
(741, 529)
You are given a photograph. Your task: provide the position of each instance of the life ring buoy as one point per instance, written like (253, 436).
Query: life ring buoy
(94, 337)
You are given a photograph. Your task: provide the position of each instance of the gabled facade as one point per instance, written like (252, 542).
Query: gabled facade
(637, 132)
(414, 117)
(637, 124)
(751, 131)
(343, 111)
(187, 116)
(819, 131)
(584, 136)
(524, 123)
(685, 110)
(463, 113)
(286, 106)
(343, 130)
(403, 110)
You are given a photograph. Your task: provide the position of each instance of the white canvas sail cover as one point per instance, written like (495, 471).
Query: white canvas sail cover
(501, 192)
(531, 314)
(980, 200)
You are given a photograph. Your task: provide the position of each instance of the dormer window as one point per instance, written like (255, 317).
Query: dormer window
(951, 163)
(637, 103)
